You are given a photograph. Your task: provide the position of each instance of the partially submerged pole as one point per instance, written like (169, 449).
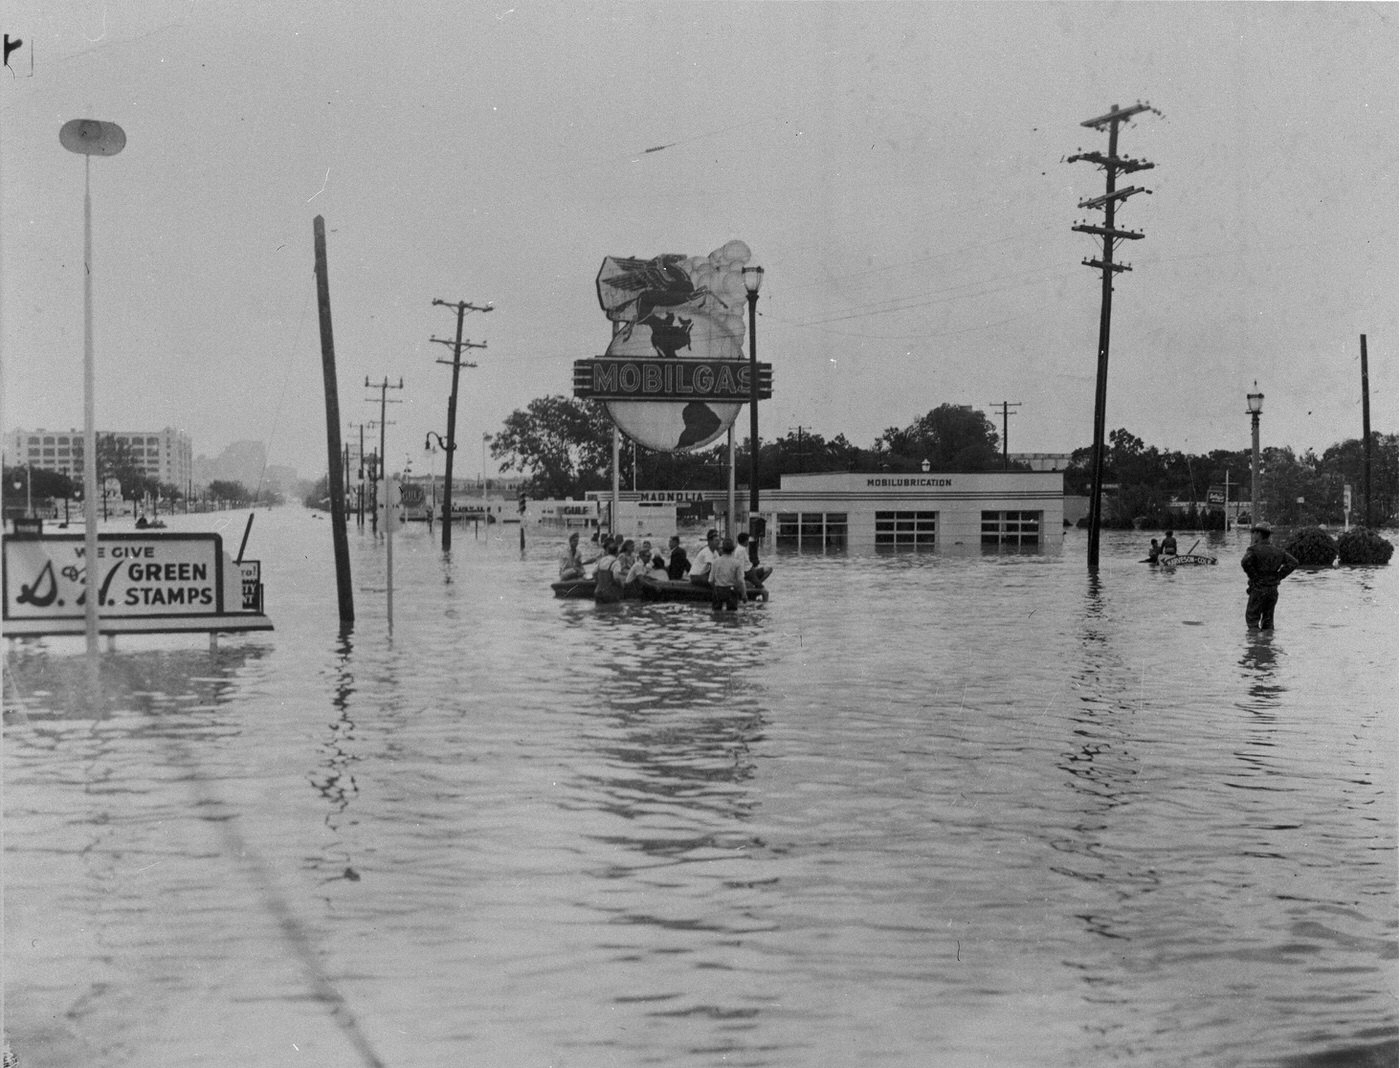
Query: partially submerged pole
(391, 497)
(1365, 432)
(335, 478)
(248, 529)
(616, 475)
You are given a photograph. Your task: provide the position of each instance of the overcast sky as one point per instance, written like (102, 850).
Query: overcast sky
(898, 170)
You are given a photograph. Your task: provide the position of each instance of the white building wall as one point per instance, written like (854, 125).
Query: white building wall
(957, 503)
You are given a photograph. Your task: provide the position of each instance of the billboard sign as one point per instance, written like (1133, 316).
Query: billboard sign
(681, 380)
(666, 312)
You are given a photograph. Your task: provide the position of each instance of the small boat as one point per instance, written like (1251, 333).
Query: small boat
(1184, 560)
(650, 589)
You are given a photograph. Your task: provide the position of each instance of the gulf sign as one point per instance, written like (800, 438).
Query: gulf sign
(135, 575)
(613, 378)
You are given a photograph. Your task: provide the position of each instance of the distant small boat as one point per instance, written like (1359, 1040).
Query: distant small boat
(1185, 560)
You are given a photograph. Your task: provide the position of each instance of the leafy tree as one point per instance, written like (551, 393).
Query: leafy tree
(563, 444)
(319, 495)
(115, 459)
(54, 485)
(951, 437)
(1344, 463)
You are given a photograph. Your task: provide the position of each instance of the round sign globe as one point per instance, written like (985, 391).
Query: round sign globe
(676, 425)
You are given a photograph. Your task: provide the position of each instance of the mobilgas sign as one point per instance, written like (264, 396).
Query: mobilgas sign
(612, 378)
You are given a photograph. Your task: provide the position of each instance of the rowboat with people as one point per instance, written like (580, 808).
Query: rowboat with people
(651, 589)
(1190, 558)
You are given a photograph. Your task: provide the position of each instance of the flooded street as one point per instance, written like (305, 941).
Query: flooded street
(918, 809)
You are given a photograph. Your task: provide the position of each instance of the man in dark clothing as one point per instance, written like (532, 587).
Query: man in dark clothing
(678, 565)
(1266, 565)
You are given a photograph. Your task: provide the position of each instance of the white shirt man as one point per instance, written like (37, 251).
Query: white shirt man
(704, 559)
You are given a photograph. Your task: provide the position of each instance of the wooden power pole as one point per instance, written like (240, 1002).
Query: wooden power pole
(1113, 165)
(337, 493)
(451, 447)
(1006, 414)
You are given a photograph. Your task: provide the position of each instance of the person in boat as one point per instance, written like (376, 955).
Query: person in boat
(727, 570)
(571, 562)
(1266, 565)
(143, 522)
(657, 571)
(607, 584)
(705, 558)
(755, 573)
(1168, 544)
(1153, 552)
(679, 565)
(629, 568)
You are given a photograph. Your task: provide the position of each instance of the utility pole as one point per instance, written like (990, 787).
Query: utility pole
(1365, 432)
(801, 450)
(456, 364)
(1113, 165)
(1005, 434)
(383, 388)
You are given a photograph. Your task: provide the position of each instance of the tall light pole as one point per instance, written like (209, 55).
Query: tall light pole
(88, 138)
(753, 278)
(1255, 401)
(484, 439)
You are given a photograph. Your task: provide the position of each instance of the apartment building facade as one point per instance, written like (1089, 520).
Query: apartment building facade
(165, 455)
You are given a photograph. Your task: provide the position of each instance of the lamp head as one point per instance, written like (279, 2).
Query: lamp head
(753, 278)
(1255, 400)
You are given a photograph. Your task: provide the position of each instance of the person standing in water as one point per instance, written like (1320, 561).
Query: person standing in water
(1266, 565)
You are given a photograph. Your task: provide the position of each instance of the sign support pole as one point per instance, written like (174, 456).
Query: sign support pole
(89, 425)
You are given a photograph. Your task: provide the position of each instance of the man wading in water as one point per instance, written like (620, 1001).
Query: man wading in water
(1267, 566)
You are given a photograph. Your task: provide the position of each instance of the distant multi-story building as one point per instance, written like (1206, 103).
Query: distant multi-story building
(164, 455)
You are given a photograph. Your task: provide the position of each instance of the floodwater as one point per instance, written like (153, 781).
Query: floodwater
(918, 809)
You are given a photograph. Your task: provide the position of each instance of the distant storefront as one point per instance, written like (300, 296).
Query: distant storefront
(915, 511)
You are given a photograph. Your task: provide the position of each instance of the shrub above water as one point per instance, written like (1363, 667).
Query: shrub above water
(1363, 546)
(1312, 547)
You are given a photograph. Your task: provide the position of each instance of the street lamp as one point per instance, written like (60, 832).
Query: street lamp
(753, 278)
(449, 448)
(88, 138)
(484, 439)
(1255, 401)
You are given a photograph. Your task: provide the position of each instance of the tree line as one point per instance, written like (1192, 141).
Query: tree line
(563, 446)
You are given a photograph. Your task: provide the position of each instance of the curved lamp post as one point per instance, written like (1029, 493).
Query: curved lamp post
(1255, 401)
(753, 278)
(448, 448)
(88, 138)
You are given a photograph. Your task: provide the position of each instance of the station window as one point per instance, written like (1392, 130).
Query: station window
(904, 529)
(811, 530)
(1011, 528)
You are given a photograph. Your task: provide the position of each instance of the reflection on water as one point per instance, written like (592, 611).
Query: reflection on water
(919, 808)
